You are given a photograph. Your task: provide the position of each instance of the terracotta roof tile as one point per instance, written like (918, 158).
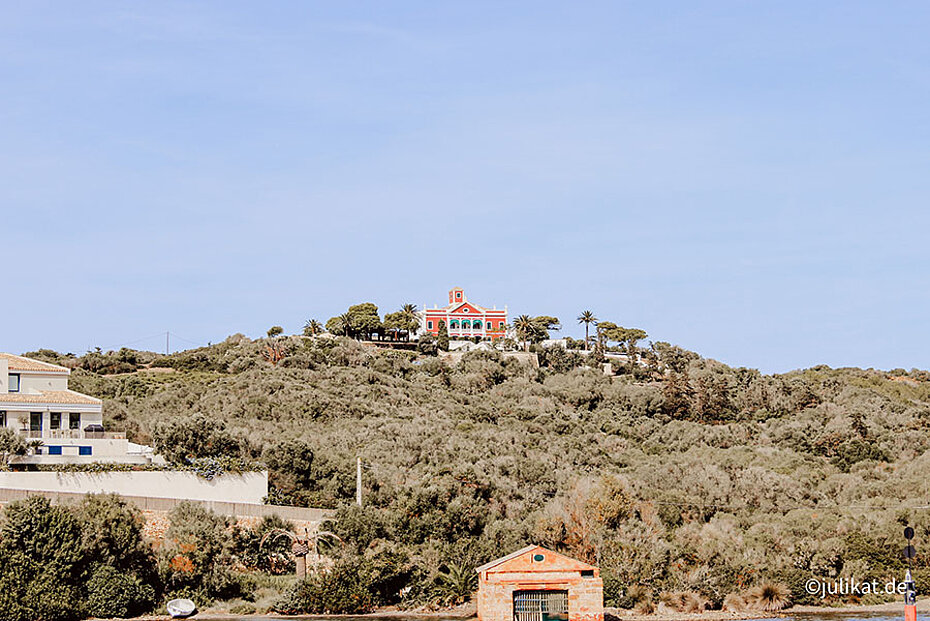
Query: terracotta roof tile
(57, 397)
(554, 562)
(20, 363)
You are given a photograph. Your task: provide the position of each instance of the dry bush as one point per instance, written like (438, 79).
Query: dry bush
(768, 597)
(735, 602)
(645, 607)
(683, 601)
(638, 593)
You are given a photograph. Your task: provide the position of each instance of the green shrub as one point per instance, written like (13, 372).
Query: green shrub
(274, 557)
(615, 593)
(185, 440)
(291, 462)
(40, 562)
(427, 345)
(795, 580)
(196, 554)
(113, 593)
(111, 534)
(385, 573)
(337, 591)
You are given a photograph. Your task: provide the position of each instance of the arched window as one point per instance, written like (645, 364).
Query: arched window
(476, 324)
(466, 324)
(454, 324)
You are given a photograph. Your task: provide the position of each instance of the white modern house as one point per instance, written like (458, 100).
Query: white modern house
(36, 402)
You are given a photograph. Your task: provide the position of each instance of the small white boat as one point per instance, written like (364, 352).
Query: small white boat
(181, 608)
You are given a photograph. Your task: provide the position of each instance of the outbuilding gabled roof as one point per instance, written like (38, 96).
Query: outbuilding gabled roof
(21, 363)
(554, 561)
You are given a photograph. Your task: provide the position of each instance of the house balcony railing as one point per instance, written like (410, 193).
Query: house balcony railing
(73, 434)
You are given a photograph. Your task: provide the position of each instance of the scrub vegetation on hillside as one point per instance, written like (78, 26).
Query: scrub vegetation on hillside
(690, 483)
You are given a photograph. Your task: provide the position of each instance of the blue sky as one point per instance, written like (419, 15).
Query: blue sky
(745, 179)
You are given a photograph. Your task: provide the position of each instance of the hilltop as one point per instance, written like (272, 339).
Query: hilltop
(677, 474)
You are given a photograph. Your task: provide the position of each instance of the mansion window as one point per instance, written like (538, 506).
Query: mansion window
(429, 325)
(55, 420)
(74, 420)
(2, 419)
(14, 382)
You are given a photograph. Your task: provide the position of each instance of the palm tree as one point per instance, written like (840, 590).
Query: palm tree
(457, 584)
(410, 314)
(346, 320)
(302, 546)
(525, 327)
(313, 327)
(12, 445)
(587, 318)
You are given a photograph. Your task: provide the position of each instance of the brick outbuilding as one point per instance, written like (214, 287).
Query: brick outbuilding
(536, 584)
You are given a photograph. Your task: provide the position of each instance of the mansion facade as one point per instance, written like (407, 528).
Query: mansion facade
(464, 319)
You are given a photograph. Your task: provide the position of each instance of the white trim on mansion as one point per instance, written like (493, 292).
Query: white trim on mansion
(464, 319)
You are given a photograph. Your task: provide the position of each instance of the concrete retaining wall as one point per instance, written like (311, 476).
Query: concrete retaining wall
(164, 505)
(246, 488)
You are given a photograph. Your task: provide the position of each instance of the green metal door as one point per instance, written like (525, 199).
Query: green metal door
(540, 606)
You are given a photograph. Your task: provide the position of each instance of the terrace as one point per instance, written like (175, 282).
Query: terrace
(75, 434)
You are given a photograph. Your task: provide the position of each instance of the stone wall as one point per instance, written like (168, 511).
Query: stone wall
(586, 600)
(156, 510)
(157, 522)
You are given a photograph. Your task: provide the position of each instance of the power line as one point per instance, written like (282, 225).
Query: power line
(167, 334)
(179, 337)
(146, 338)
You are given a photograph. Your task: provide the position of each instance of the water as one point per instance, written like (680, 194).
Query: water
(883, 615)
(437, 617)
(865, 615)
(879, 615)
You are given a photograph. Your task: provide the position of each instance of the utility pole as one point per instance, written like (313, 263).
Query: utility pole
(358, 483)
(167, 342)
(910, 589)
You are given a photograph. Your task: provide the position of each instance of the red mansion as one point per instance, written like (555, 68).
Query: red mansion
(464, 319)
